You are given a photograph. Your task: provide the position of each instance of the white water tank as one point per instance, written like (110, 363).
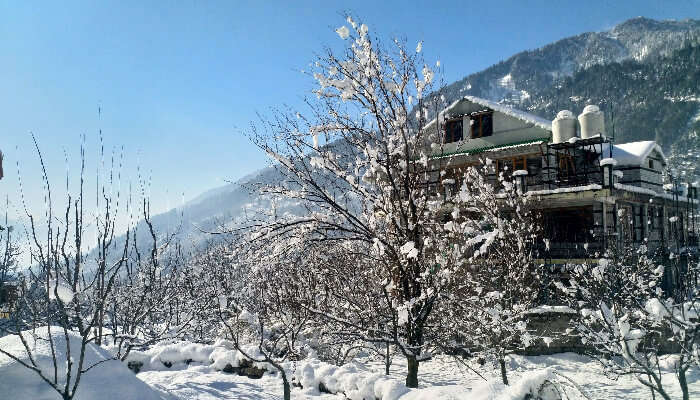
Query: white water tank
(592, 122)
(563, 127)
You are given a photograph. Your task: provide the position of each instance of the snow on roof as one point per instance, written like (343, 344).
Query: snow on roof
(513, 112)
(634, 153)
(502, 108)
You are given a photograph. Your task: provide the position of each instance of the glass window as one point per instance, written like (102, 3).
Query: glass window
(534, 165)
(453, 131)
(482, 125)
(486, 124)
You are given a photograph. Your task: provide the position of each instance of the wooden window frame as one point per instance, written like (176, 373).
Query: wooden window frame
(513, 161)
(449, 138)
(475, 122)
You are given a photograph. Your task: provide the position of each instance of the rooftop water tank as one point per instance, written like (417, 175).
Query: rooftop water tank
(592, 122)
(563, 127)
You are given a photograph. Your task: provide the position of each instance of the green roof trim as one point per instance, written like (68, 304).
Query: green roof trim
(486, 148)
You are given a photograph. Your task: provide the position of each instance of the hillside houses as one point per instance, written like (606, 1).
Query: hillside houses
(582, 181)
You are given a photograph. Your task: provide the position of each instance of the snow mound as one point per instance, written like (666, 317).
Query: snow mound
(532, 385)
(165, 356)
(352, 380)
(109, 380)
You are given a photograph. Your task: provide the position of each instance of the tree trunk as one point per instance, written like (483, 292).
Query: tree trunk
(387, 360)
(285, 385)
(412, 377)
(504, 377)
(683, 382)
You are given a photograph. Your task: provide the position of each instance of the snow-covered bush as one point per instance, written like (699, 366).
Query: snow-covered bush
(221, 356)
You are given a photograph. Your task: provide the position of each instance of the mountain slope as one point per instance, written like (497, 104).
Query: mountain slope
(517, 78)
(643, 101)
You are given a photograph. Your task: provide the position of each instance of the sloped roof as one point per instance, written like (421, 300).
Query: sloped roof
(634, 153)
(502, 108)
(513, 112)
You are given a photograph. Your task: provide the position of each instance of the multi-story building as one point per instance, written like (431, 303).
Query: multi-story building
(592, 193)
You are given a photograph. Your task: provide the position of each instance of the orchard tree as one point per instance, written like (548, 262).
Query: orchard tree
(64, 292)
(490, 299)
(631, 322)
(359, 170)
(253, 300)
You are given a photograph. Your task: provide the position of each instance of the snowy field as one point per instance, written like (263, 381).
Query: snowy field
(441, 378)
(194, 371)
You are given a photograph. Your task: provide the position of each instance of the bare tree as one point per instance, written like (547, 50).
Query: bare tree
(635, 327)
(255, 308)
(150, 302)
(63, 290)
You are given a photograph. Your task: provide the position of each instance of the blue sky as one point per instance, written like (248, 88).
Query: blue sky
(178, 81)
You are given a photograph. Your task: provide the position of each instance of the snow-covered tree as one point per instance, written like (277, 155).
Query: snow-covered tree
(151, 300)
(10, 252)
(253, 298)
(489, 299)
(632, 323)
(360, 180)
(358, 168)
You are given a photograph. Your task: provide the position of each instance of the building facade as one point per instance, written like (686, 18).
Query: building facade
(591, 192)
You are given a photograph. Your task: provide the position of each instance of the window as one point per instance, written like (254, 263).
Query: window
(516, 163)
(482, 125)
(505, 166)
(651, 164)
(534, 166)
(453, 130)
(566, 166)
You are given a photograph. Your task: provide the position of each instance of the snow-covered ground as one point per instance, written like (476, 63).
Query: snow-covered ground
(441, 378)
(195, 372)
(109, 379)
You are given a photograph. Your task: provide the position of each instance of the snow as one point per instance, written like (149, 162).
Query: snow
(564, 190)
(505, 109)
(529, 385)
(409, 248)
(441, 378)
(353, 380)
(166, 355)
(62, 289)
(520, 172)
(565, 114)
(591, 109)
(109, 380)
(343, 32)
(633, 153)
(641, 190)
(552, 309)
(608, 161)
